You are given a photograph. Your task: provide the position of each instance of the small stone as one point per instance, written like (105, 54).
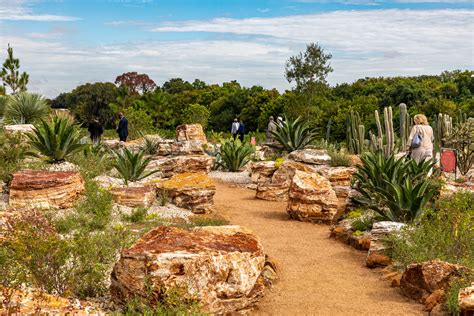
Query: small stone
(466, 300)
(311, 156)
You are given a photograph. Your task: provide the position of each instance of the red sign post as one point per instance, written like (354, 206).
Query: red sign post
(448, 160)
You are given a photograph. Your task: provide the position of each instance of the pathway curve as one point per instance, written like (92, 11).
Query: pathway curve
(318, 275)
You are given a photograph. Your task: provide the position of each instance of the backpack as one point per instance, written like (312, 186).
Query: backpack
(417, 139)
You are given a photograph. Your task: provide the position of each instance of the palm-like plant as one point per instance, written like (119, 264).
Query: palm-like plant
(396, 189)
(131, 166)
(235, 154)
(25, 108)
(57, 139)
(294, 134)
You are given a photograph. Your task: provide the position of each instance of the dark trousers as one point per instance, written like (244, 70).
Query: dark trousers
(123, 138)
(241, 137)
(234, 136)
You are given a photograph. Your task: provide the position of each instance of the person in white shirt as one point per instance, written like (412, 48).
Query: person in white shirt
(235, 128)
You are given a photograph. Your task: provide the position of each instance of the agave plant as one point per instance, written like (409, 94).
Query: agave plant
(56, 140)
(25, 108)
(294, 134)
(235, 154)
(151, 145)
(131, 166)
(398, 190)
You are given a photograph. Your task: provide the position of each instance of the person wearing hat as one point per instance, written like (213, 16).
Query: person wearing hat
(272, 127)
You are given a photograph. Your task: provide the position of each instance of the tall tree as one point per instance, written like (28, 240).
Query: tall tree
(309, 67)
(136, 83)
(11, 76)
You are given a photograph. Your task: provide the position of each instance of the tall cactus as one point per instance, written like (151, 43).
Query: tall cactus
(355, 134)
(405, 126)
(443, 128)
(385, 139)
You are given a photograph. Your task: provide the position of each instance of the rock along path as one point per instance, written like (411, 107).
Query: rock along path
(318, 275)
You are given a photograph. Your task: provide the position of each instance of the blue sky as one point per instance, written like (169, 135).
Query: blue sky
(64, 43)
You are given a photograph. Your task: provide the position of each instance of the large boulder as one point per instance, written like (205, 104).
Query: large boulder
(188, 147)
(188, 132)
(311, 198)
(376, 256)
(140, 196)
(466, 300)
(262, 171)
(311, 156)
(219, 266)
(193, 191)
(170, 165)
(18, 128)
(427, 281)
(45, 189)
(277, 188)
(344, 195)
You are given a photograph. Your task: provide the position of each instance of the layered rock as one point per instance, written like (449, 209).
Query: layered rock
(189, 147)
(277, 189)
(376, 256)
(193, 191)
(18, 128)
(170, 166)
(311, 156)
(427, 281)
(343, 231)
(219, 266)
(338, 176)
(262, 171)
(466, 300)
(344, 195)
(45, 189)
(190, 132)
(140, 196)
(311, 198)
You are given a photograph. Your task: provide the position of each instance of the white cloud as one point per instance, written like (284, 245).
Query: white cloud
(17, 10)
(254, 51)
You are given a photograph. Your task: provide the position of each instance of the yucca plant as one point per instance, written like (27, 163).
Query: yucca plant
(151, 145)
(131, 166)
(56, 140)
(235, 154)
(294, 134)
(25, 108)
(398, 190)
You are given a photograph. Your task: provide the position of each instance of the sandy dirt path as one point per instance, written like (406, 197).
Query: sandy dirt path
(318, 275)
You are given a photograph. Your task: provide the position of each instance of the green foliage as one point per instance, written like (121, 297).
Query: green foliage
(138, 215)
(57, 140)
(398, 190)
(279, 161)
(207, 221)
(131, 166)
(445, 233)
(461, 139)
(10, 74)
(235, 155)
(196, 113)
(340, 158)
(362, 224)
(93, 161)
(25, 108)
(452, 293)
(355, 134)
(294, 134)
(151, 145)
(12, 150)
(139, 122)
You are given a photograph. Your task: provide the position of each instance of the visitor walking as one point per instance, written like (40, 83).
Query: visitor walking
(420, 141)
(279, 121)
(272, 127)
(122, 128)
(241, 130)
(235, 128)
(96, 130)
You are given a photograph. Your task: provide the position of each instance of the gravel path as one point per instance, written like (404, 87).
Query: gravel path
(318, 276)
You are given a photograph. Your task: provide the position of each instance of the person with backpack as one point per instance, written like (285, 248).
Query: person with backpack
(420, 141)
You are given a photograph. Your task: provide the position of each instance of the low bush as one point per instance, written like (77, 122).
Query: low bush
(12, 150)
(340, 159)
(131, 166)
(362, 224)
(235, 155)
(138, 215)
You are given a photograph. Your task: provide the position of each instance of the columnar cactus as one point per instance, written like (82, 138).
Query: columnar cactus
(385, 139)
(405, 126)
(355, 134)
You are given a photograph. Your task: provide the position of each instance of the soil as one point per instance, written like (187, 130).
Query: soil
(317, 275)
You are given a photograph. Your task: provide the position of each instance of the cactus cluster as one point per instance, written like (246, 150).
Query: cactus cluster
(355, 134)
(406, 122)
(443, 126)
(385, 138)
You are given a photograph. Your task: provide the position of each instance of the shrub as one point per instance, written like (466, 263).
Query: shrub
(139, 122)
(445, 233)
(131, 166)
(56, 140)
(138, 215)
(294, 134)
(93, 161)
(235, 155)
(340, 159)
(151, 145)
(462, 139)
(25, 108)
(12, 151)
(196, 113)
(362, 224)
(398, 190)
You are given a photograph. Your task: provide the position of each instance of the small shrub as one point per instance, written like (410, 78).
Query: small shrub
(139, 122)
(235, 155)
(138, 215)
(56, 140)
(340, 159)
(206, 221)
(279, 161)
(452, 293)
(131, 166)
(163, 198)
(358, 233)
(151, 145)
(358, 212)
(362, 224)
(462, 139)
(196, 113)
(445, 233)
(12, 151)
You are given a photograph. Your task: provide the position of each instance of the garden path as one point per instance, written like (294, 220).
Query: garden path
(318, 275)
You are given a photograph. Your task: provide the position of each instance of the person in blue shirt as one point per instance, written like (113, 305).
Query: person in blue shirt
(122, 128)
(241, 130)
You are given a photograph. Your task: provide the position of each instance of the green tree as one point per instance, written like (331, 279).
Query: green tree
(10, 74)
(196, 113)
(312, 66)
